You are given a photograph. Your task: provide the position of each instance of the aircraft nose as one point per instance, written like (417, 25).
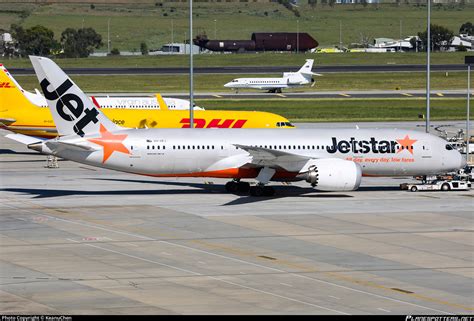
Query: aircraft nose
(227, 85)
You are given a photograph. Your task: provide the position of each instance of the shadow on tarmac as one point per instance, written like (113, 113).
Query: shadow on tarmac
(281, 191)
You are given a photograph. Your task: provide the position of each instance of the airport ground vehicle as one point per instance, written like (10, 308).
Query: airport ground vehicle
(441, 185)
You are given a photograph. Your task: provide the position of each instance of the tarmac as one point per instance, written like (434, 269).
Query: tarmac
(83, 240)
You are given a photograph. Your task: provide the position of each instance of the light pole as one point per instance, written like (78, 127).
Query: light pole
(108, 35)
(400, 35)
(191, 85)
(215, 32)
(428, 52)
(297, 36)
(468, 60)
(340, 35)
(172, 33)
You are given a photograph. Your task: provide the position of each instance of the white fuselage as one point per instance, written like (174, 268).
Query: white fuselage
(212, 153)
(287, 81)
(122, 102)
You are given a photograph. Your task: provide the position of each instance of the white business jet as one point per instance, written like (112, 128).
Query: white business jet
(302, 77)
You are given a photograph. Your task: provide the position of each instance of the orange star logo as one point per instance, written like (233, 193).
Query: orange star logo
(406, 144)
(110, 142)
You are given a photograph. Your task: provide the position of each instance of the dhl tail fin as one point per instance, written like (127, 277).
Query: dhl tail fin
(73, 112)
(11, 93)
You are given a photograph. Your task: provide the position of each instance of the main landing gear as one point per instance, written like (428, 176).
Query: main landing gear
(264, 176)
(236, 186)
(262, 190)
(244, 187)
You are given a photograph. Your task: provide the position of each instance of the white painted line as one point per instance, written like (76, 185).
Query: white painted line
(21, 219)
(165, 253)
(234, 259)
(334, 297)
(142, 259)
(131, 244)
(383, 310)
(281, 95)
(286, 284)
(307, 277)
(71, 240)
(215, 278)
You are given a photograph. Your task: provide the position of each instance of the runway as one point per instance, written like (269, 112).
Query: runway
(82, 240)
(298, 94)
(246, 69)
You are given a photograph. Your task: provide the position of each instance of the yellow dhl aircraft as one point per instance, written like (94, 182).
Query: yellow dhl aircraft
(20, 115)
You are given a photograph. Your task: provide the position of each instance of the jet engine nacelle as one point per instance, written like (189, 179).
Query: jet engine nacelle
(332, 174)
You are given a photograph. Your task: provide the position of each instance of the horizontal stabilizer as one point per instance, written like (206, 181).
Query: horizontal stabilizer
(7, 121)
(55, 145)
(27, 140)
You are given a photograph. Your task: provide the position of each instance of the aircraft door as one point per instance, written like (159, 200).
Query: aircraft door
(426, 149)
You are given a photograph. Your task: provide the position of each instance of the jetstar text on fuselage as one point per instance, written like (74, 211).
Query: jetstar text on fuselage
(364, 146)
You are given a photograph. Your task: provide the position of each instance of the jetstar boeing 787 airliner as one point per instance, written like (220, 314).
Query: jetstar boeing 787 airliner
(328, 159)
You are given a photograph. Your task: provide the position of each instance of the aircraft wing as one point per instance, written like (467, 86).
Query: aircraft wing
(274, 158)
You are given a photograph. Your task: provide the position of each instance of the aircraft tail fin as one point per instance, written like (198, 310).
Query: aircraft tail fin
(11, 93)
(73, 112)
(306, 69)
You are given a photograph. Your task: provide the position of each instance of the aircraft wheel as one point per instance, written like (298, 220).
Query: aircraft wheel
(243, 187)
(262, 191)
(268, 191)
(413, 188)
(256, 190)
(445, 187)
(231, 187)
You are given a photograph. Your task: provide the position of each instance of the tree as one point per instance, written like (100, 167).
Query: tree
(467, 28)
(441, 37)
(313, 3)
(80, 43)
(144, 48)
(37, 40)
(332, 3)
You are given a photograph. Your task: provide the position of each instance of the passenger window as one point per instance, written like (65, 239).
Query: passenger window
(449, 147)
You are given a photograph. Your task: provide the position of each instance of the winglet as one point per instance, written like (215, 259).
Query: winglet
(161, 102)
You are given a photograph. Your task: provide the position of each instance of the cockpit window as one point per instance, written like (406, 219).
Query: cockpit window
(284, 124)
(449, 147)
